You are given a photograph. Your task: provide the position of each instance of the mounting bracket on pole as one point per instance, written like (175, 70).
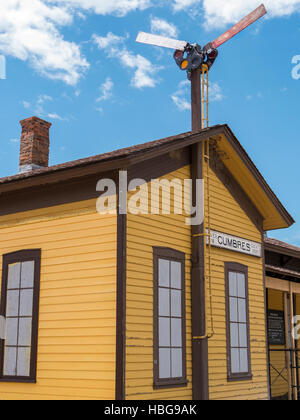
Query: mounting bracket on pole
(194, 57)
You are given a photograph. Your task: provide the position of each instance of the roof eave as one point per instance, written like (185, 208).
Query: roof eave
(126, 157)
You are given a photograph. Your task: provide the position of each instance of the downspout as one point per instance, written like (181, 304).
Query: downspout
(199, 338)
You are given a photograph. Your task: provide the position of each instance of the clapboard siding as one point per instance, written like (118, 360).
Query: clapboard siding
(77, 320)
(227, 216)
(144, 232)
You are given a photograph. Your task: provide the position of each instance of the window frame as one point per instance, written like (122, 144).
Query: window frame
(176, 256)
(13, 258)
(241, 269)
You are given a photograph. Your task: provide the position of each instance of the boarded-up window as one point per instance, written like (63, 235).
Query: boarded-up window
(238, 336)
(19, 307)
(169, 318)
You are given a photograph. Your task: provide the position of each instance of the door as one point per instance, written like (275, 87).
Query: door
(282, 306)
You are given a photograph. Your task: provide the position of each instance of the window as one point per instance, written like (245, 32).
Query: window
(238, 337)
(19, 307)
(169, 318)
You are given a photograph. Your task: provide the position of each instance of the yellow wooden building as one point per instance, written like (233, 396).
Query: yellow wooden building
(139, 304)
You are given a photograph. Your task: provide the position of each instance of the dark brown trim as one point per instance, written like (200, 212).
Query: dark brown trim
(239, 268)
(11, 258)
(84, 188)
(281, 248)
(233, 141)
(235, 190)
(282, 271)
(170, 255)
(121, 306)
(159, 166)
(199, 345)
(266, 316)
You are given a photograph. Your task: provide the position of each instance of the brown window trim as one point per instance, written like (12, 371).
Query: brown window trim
(173, 255)
(239, 268)
(7, 259)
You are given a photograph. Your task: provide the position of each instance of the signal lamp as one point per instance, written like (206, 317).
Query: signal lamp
(184, 64)
(179, 57)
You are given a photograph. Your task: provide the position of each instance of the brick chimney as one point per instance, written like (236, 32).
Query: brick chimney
(34, 149)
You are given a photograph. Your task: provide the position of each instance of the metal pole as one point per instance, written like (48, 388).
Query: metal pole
(196, 100)
(200, 341)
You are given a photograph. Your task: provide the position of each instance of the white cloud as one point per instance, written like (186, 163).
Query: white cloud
(184, 4)
(108, 41)
(180, 97)
(29, 31)
(38, 108)
(219, 13)
(106, 90)
(55, 117)
(144, 72)
(26, 104)
(105, 7)
(257, 95)
(164, 28)
(215, 92)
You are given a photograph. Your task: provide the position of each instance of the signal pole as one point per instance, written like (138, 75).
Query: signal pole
(200, 341)
(196, 100)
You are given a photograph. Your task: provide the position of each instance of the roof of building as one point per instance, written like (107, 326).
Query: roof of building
(233, 155)
(104, 157)
(283, 247)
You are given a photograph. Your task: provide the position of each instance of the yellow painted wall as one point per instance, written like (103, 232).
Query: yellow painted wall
(144, 232)
(227, 216)
(77, 327)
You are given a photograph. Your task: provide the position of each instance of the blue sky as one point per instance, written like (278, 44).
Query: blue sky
(76, 64)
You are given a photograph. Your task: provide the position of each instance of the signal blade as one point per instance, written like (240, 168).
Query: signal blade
(161, 41)
(239, 27)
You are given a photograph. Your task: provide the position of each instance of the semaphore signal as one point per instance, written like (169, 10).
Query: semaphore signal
(197, 61)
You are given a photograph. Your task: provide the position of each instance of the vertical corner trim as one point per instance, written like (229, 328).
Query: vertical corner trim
(121, 307)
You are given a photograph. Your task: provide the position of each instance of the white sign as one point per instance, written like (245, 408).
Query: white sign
(236, 244)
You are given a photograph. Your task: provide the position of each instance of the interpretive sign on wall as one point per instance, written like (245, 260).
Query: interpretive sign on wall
(276, 328)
